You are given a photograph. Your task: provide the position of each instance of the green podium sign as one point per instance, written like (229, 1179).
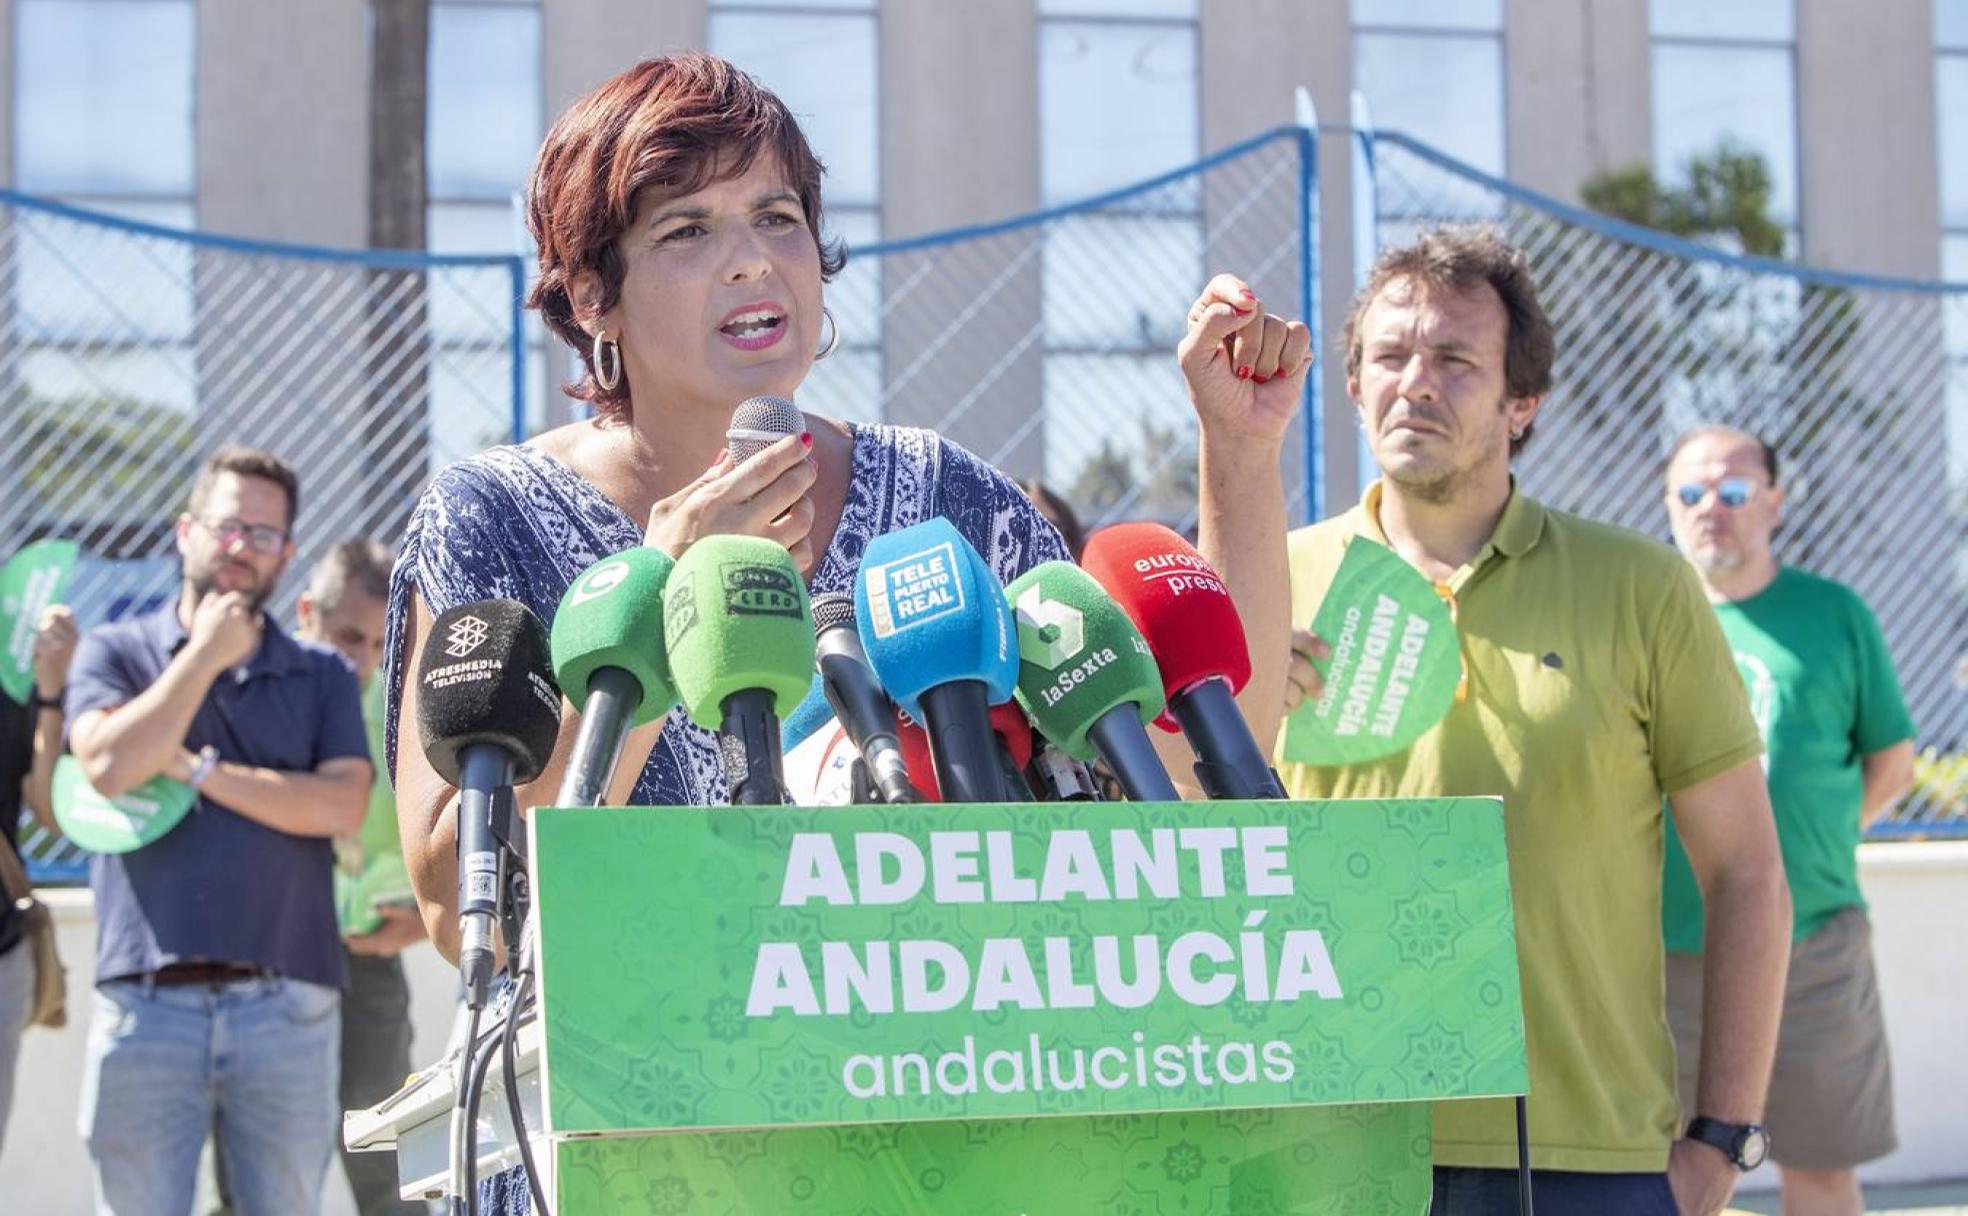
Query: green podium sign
(1033, 1007)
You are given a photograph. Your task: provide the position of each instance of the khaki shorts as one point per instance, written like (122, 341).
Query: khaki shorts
(1831, 1093)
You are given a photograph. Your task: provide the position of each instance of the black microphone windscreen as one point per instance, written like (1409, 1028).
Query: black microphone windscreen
(487, 678)
(760, 422)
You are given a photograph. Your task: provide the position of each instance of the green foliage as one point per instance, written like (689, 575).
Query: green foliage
(1940, 786)
(1727, 195)
(1154, 478)
(103, 458)
(1718, 343)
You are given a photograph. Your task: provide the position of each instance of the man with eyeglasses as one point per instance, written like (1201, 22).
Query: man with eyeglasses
(1588, 695)
(219, 966)
(1839, 754)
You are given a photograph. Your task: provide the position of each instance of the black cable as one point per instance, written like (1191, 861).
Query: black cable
(472, 1096)
(1523, 1159)
(460, 1204)
(509, 1068)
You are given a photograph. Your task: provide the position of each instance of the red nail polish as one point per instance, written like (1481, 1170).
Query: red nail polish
(806, 438)
(1261, 379)
(1242, 312)
(1248, 295)
(1244, 373)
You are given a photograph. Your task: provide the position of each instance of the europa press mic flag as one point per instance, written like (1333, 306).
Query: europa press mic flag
(31, 580)
(1393, 667)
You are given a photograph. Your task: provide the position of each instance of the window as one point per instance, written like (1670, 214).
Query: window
(484, 125)
(1727, 72)
(103, 119)
(1433, 69)
(1118, 103)
(820, 58)
(1951, 103)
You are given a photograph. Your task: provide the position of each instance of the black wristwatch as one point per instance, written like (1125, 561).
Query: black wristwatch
(54, 702)
(1745, 1144)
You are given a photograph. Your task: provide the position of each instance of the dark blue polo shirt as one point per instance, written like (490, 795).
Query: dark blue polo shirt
(218, 885)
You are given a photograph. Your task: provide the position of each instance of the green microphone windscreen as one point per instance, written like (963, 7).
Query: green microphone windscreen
(735, 616)
(1079, 656)
(612, 616)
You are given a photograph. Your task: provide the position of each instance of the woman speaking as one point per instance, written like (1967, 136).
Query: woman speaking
(677, 213)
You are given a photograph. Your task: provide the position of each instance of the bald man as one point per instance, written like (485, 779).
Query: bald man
(1839, 753)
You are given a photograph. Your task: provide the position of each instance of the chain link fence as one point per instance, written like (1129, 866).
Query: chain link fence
(1044, 343)
(1850, 377)
(128, 353)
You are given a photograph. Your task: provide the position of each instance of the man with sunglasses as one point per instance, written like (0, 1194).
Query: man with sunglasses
(1839, 754)
(219, 966)
(1587, 699)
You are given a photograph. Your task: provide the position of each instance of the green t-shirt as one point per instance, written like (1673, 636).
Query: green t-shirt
(1591, 655)
(378, 836)
(1822, 687)
(382, 878)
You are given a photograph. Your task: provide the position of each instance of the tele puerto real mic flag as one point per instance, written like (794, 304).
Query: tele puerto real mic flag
(932, 611)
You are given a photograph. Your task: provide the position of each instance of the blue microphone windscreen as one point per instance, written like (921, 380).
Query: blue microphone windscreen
(930, 610)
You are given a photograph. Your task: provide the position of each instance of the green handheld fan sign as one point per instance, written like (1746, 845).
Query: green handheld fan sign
(31, 580)
(1393, 667)
(121, 824)
(360, 898)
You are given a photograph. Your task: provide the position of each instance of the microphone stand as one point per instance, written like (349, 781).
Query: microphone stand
(613, 697)
(749, 740)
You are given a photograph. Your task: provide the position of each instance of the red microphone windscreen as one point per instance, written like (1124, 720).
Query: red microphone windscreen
(1007, 720)
(915, 753)
(1177, 601)
(1016, 730)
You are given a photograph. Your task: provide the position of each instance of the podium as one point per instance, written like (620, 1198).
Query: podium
(1200, 1008)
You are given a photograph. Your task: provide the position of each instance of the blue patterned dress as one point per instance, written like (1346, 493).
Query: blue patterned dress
(516, 523)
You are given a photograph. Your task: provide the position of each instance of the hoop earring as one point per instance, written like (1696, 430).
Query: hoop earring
(833, 334)
(602, 359)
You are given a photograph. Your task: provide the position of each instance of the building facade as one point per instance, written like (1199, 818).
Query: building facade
(248, 118)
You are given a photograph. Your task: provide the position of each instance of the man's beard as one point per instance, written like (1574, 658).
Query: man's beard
(1717, 560)
(1445, 484)
(205, 582)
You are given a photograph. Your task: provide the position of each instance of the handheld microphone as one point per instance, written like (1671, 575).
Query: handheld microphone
(1087, 678)
(488, 713)
(760, 422)
(938, 635)
(1011, 742)
(608, 651)
(740, 641)
(1185, 612)
(1056, 777)
(859, 704)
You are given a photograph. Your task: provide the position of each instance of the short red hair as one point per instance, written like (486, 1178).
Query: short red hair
(665, 124)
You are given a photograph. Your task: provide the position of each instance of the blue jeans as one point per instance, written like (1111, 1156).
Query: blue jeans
(254, 1062)
(1468, 1192)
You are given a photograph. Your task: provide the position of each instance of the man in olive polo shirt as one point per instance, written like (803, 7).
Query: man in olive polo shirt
(1823, 690)
(1592, 689)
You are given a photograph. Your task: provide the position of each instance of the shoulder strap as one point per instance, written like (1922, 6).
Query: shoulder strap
(13, 875)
